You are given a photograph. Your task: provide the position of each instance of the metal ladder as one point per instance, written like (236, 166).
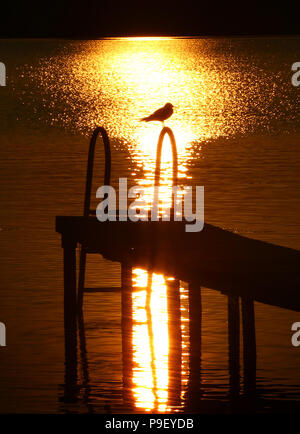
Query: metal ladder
(87, 211)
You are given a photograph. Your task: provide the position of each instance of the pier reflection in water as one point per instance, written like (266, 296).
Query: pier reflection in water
(161, 333)
(157, 342)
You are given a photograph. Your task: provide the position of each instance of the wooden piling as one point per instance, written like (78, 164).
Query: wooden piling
(249, 345)
(86, 386)
(175, 342)
(195, 332)
(81, 277)
(126, 324)
(70, 319)
(234, 345)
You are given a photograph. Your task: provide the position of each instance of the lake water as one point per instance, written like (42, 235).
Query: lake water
(237, 125)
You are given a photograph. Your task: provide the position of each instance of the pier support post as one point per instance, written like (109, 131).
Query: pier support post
(234, 345)
(126, 324)
(81, 277)
(195, 332)
(249, 345)
(70, 319)
(175, 341)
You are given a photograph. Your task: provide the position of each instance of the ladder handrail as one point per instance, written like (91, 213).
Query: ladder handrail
(90, 166)
(87, 198)
(164, 131)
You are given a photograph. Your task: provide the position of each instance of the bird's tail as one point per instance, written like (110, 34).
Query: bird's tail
(144, 119)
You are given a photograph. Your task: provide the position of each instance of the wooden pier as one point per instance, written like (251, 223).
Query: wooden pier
(244, 269)
(213, 258)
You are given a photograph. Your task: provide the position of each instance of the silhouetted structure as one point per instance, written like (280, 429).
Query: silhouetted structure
(242, 268)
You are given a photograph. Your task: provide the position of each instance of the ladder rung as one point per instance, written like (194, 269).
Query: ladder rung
(103, 289)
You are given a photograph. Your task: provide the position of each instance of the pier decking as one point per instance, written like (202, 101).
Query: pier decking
(214, 258)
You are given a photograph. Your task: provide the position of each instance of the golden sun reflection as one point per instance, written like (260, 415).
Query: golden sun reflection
(150, 342)
(116, 82)
(151, 357)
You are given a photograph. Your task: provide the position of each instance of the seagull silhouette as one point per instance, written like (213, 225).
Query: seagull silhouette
(161, 114)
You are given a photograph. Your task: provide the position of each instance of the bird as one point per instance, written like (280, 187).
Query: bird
(161, 114)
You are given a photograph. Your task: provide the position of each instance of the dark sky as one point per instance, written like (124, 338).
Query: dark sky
(92, 19)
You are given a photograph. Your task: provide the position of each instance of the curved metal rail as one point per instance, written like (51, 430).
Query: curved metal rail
(87, 200)
(90, 166)
(169, 132)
